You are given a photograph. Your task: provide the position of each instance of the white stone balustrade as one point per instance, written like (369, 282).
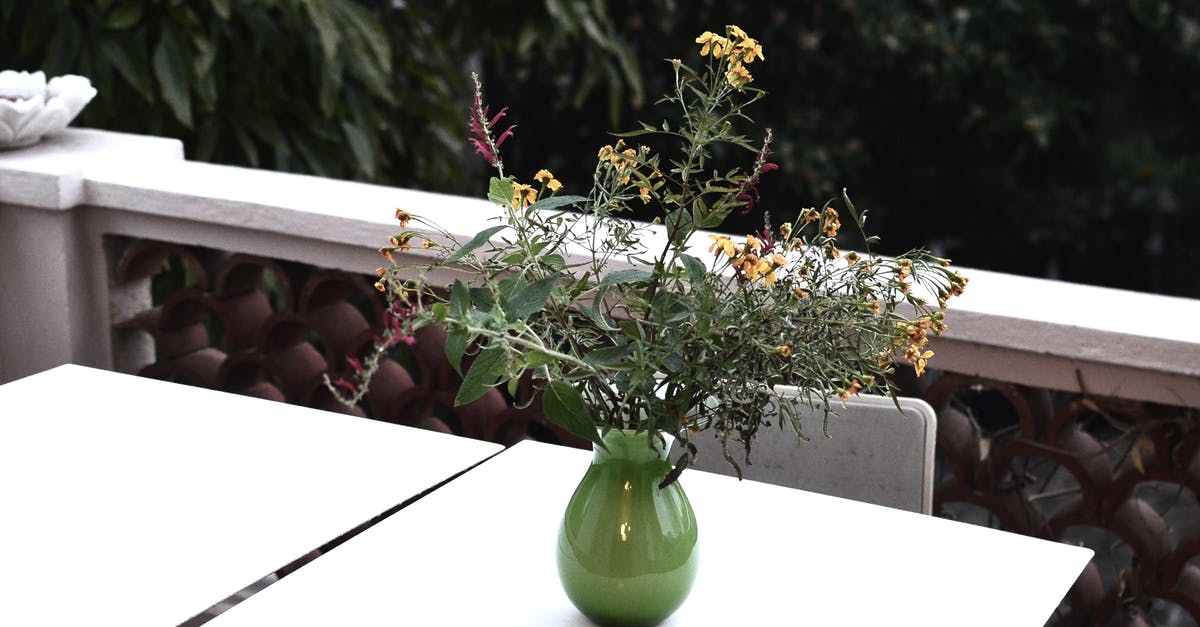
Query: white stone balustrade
(61, 198)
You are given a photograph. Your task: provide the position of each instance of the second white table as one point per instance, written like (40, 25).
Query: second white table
(128, 501)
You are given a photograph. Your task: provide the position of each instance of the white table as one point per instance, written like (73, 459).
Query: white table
(480, 551)
(128, 501)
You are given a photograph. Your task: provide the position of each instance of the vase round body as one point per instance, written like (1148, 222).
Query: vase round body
(627, 550)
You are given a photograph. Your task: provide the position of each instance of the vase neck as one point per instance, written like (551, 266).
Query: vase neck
(634, 446)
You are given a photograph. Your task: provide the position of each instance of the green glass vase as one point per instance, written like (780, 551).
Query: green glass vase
(627, 552)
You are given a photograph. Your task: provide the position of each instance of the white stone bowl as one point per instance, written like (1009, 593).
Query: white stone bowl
(30, 107)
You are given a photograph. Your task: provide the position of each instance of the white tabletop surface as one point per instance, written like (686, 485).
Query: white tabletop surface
(128, 501)
(480, 551)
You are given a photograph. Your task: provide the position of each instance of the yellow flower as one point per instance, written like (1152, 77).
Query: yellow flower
(544, 176)
(733, 30)
(722, 244)
(750, 50)
(784, 351)
(401, 242)
(403, 216)
(850, 390)
(917, 358)
(712, 42)
(523, 195)
(644, 194)
(738, 76)
(386, 252)
(832, 224)
(753, 243)
(778, 260)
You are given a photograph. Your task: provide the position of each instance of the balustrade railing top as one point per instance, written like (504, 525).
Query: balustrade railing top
(97, 183)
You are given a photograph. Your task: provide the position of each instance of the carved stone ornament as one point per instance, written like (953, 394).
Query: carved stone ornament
(31, 107)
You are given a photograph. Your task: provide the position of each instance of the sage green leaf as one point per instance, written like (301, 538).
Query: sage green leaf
(608, 355)
(529, 299)
(536, 358)
(697, 271)
(456, 344)
(629, 275)
(172, 70)
(481, 297)
(477, 241)
(460, 299)
(599, 319)
(554, 262)
(481, 376)
(554, 202)
(500, 191)
(563, 405)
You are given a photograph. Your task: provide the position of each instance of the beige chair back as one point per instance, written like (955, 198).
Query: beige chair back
(874, 453)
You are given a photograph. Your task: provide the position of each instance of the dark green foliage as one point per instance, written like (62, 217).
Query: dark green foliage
(1042, 138)
(331, 87)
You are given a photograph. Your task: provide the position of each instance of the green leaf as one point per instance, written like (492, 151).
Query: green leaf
(206, 53)
(477, 241)
(460, 299)
(553, 262)
(481, 376)
(482, 298)
(609, 355)
(360, 145)
(529, 299)
(629, 275)
(368, 30)
(563, 405)
(327, 29)
(440, 312)
(536, 358)
(500, 191)
(171, 68)
(553, 202)
(133, 68)
(600, 320)
(696, 270)
(456, 344)
(222, 8)
(126, 15)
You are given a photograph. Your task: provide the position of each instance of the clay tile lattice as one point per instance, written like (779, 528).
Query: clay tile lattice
(274, 329)
(1118, 476)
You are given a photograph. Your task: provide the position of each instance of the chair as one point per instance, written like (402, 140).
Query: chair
(874, 452)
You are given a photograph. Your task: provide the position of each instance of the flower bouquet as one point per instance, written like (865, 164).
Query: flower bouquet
(663, 327)
(636, 333)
